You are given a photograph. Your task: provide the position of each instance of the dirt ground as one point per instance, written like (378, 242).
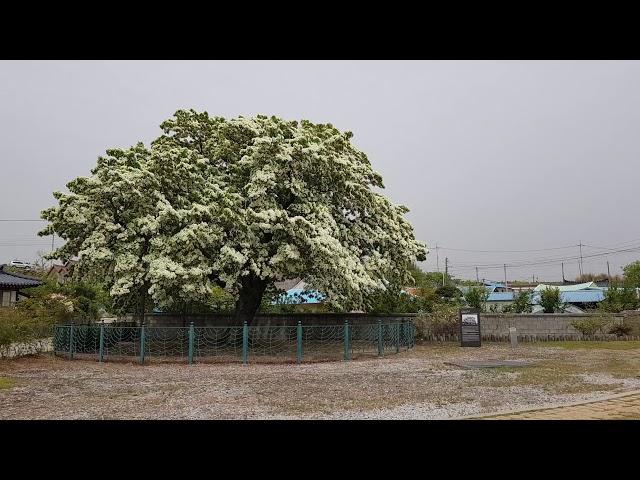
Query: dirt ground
(415, 384)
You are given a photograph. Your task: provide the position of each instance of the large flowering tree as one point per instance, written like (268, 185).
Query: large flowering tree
(237, 204)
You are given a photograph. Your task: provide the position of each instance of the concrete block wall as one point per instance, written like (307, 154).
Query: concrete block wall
(538, 325)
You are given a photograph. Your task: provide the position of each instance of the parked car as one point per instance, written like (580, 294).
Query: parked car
(19, 264)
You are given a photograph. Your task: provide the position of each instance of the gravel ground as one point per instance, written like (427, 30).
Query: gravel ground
(415, 384)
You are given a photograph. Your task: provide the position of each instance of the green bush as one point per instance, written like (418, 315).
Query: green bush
(617, 299)
(33, 317)
(476, 297)
(550, 300)
(441, 320)
(621, 330)
(592, 325)
(18, 326)
(521, 302)
(395, 300)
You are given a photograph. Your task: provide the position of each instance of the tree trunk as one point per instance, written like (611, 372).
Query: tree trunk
(251, 290)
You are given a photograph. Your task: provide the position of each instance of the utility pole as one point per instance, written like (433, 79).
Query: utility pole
(562, 271)
(581, 270)
(446, 269)
(477, 278)
(608, 272)
(437, 258)
(533, 279)
(505, 274)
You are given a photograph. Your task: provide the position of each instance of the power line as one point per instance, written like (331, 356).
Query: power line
(621, 244)
(507, 251)
(549, 261)
(21, 220)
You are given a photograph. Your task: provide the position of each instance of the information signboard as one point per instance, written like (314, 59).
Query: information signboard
(469, 327)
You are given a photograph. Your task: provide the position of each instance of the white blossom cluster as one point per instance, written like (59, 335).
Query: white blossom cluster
(213, 200)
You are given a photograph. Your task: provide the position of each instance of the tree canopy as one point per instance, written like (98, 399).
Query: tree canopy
(235, 203)
(632, 274)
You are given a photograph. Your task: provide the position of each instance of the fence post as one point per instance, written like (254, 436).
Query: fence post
(397, 337)
(101, 341)
(380, 339)
(347, 349)
(410, 335)
(71, 342)
(405, 336)
(142, 335)
(191, 335)
(245, 343)
(299, 343)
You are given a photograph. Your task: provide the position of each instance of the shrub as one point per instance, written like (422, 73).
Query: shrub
(550, 300)
(617, 299)
(394, 299)
(18, 326)
(621, 330)
(441, 320)
(476, 297)
(448, 292)
(592, 325)
(521, 302)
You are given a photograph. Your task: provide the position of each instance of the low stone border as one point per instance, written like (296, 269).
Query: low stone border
(15, 350)
(488, 416)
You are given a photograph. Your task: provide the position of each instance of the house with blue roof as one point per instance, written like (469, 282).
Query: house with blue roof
(297, 292)
(500, 295)
(578, 297)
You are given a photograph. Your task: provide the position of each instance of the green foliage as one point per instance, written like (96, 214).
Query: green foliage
(476, 297)
(6, 383)
(632, 274)
(449, 293)
(34, 317)
(428, 279)
(20, 326)
(521, 302)
(591, 325)
(617, 299)
(621, 330)
(80, 301)
(395, 300)
(442, 319)
(550, 300)
(221, 300)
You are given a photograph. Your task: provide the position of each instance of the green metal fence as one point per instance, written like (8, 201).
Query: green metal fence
(301, 343)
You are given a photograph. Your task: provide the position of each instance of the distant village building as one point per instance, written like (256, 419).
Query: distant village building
(62, 273)
(297, 292)
(11, 286)
(578, 297)
(500, 295)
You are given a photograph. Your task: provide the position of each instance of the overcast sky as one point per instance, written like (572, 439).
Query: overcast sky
(488, 155)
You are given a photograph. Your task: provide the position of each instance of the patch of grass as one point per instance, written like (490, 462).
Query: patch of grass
(551, 376)
(622, 367)
(595, 345)
(6, 383)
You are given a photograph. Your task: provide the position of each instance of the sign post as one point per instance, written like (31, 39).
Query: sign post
(469, 327)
